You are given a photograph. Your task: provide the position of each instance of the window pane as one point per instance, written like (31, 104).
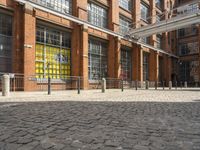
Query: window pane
(97, 15)
(145, 66)
(53, 55)
(125, 64)
(64, 6)
(6, 42)
(124, 25)
(145, 12)
(97, 64)
(126, 4)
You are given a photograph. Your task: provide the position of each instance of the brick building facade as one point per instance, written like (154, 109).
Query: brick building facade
(187, 45)
(34, 39)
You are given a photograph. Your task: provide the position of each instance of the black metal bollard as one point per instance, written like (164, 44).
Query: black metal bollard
(176, 84)
(79, 85)
(181, 85)
(122, 85)
(136, 85)
(49, 86)
(163, 84)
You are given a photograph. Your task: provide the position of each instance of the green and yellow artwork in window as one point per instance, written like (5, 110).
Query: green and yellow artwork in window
(58, 60)
(52, 53)
(39, 64)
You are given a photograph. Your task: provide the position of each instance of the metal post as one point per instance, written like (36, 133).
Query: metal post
(176, 84)
(79, 83)
(147, 85)
(49, 81)
(49, 86)
(156, 85)
(163, 84)
(181, 85)
(122, 85)
(136, 85)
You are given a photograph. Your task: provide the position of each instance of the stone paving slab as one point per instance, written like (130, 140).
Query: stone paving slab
(132, 120)
(180, 95)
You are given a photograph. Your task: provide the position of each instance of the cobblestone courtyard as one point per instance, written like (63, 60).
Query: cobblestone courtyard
(132, 120)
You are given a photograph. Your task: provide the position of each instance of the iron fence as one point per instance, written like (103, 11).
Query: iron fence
(19, 82)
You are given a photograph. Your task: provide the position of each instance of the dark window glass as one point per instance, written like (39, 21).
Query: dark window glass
(6, 42)
(145, 66)
(64, 6)
(97, 15)
(126, 4)
(97, 63)
(126, 64)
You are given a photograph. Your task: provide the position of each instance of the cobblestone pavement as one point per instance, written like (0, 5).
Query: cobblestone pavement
(142, 120)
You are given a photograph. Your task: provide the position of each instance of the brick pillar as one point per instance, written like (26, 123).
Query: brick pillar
(84, 56)
(153, 20)
(137, 61)
(113, 52)
(29, 45)
(114, 42)
(111, 57)
(117, 58)
(80, 43)
(136, 10)
(18, 39)
(153, 66)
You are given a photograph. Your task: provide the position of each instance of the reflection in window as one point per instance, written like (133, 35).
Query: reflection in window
(145, 12)
(124, 25)
(64, 6)
(126, 64)
(189, 71)
(188, 48)
(6, 42)
(97, 64)
(126, 4)
(97, 15)
(145, 66)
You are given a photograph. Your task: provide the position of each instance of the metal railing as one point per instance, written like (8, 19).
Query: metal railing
(19, 82)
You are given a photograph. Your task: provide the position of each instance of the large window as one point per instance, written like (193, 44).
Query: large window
(97, 15)
(188, 48)
(145, 12)
(6, 41)
(189, 31)
(64, 6)
(97, 64)
(159, 4)
(145, 40)
(124, 25)
(159, 41)
(126, 4)
(145, 66)
(52, 53)
(189, 71)
(126, 64)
